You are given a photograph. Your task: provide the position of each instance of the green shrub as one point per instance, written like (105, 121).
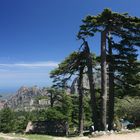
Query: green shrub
(128, 107)
(54, 114)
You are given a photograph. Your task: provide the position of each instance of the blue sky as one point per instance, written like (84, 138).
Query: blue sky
(35, 35)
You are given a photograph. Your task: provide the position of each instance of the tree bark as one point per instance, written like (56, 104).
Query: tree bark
(51, 99)
(103, 82)
(81, 107)
(92, 87)
(111, 89)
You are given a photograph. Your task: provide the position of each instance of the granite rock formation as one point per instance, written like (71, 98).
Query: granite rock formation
(97, 79)
(28, 99)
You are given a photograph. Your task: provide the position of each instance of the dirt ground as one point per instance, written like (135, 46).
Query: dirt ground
(6, 137)
(129, 136)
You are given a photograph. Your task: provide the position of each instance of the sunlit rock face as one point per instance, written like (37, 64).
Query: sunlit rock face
(2, 104)
(74, 86)
(97, 79)
(28, 99)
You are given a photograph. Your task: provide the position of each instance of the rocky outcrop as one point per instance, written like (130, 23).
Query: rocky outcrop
(28, 99)
(31, 98)
(97, 79)
(74, 86)
(49, 127)
(2, 104)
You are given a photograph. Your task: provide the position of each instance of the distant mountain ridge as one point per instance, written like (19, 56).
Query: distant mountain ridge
(26, 98)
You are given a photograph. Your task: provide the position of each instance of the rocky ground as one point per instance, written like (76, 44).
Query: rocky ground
(129, 136)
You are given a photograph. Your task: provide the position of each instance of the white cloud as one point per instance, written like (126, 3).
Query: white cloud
(17, 74)
(29, 65)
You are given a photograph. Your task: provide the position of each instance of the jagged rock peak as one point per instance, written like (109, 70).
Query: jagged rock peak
(25, 98)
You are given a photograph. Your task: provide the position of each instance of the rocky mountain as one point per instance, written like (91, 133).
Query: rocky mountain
(97, 79)
(2, 104)
(28, 99)
(31, 98)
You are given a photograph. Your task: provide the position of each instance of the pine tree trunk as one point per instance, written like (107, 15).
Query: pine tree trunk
(103, 82)
(81, 107)
(111, 89)
(92, 87)
(51, 99)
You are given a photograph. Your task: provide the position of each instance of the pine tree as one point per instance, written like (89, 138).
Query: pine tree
(90, 65)
(118, 25)
(127, 68)
(6, 120)
(69, 67)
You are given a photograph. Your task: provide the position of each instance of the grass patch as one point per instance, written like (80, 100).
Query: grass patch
(34, 137)
(38, 137)
(2, 138)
